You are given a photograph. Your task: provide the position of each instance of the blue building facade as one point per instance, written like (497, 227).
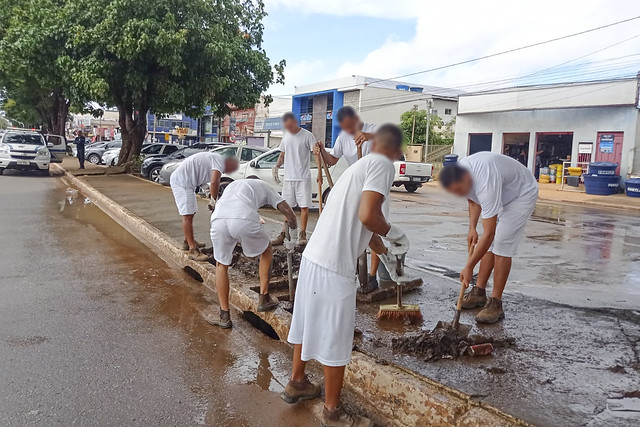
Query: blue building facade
(172, 128)
(315, 112)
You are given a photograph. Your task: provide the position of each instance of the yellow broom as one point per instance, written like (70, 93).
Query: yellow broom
(399, 311)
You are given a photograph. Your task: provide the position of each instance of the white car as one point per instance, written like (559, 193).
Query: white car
(261, 168)
(25, 149)
(110, 157)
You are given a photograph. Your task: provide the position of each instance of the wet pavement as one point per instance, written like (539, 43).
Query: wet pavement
(95, 329)
(577, 336)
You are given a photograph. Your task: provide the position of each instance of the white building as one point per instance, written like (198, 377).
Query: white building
(377, 101)
(578, 122)
(268, 119)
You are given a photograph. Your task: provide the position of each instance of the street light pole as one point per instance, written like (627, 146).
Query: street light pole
(413, 128)
(426, 141)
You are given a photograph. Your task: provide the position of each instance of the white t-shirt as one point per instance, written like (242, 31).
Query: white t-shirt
(345, 145)
(195, 170)
(242, 199)
(297, 150)
(497, 181)
(339, 237)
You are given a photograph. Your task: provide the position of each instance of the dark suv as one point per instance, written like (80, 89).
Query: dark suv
(151, 166)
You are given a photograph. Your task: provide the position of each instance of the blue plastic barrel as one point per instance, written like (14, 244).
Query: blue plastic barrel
(416, 89)
(450, 159)
(603, 168)
(601, 185)
(632, 187)
(402, 87)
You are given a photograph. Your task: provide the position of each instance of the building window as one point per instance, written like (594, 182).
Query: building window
(447, 111)
(434, 112)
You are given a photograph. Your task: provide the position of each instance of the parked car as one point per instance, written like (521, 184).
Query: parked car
(244, 153)
(93, 152)
(25, 149)
(412, 175)
(110, 157)
(151, 166)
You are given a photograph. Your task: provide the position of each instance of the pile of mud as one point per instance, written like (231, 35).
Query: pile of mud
(442, 344)
(250, 266)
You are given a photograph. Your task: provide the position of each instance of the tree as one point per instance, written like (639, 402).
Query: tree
(32, 39)
(165, 56)
(439, 132)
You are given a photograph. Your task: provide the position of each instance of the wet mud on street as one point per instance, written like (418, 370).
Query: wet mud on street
(95, 329)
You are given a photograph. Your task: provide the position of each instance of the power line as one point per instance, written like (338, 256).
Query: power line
(442, 67)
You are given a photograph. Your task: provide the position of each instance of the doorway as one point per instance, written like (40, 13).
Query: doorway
(479, 142)
(609, 148)
(552, 148)
(516, 146)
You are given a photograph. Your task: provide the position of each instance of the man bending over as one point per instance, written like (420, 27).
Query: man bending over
(236, 220)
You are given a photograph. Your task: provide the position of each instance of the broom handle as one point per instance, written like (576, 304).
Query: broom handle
(319, 163)
(399, 272)
(471, 248)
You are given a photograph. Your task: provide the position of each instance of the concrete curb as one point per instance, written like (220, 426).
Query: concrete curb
(389, 393)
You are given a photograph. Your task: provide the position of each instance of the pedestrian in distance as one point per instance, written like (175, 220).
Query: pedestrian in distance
(354, 133)
(195, 171)
(295, 153)
(236, 221)
(80, 141)
(502, 192)
(324, 312)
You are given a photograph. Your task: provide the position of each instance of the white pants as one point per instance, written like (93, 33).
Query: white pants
(511, 223)
(297, 193)
(227, 233)
(324, 315)
(185, 199)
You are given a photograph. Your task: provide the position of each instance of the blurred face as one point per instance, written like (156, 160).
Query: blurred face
(231, 164)
(461, 188)
(291, 126)
(350, 125)
(385, 149)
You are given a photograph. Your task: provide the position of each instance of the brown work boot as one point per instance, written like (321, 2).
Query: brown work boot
(224, 321)
(492, 311)
(302, 238)
(476, 297)
(278, 241)
(336, 418)
(295, 391)
(185, 245)
(372, 285)
(196, 255)
(266, 302)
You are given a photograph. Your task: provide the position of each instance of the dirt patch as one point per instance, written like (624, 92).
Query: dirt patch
(250, 266)
(442, 344)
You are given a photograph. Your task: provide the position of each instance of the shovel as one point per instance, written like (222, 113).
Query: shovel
(462, 329)
(292, 288)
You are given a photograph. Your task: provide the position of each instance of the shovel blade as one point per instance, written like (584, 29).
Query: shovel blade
(462, 328)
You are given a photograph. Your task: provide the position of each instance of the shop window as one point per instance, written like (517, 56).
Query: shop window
(552, 148)
(516, 145)
(479, 142)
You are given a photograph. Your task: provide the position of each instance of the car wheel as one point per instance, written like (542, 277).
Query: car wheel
(1, 171)
(325, 196)
(44, 172)
(154, 174)
(94, 158)
(411, 188)
(223, 185)
(114, 161)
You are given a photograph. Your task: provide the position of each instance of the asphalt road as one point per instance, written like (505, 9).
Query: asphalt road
(96, 330)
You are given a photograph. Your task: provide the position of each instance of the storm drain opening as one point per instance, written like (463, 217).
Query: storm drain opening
(193, 273)
(260, 324)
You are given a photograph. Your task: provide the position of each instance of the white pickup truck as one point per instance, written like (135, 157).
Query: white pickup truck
(411, 174)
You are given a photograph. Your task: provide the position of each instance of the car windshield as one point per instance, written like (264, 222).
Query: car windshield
(18, 138)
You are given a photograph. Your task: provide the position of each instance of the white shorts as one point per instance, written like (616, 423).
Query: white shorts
(510, 226)
(297, 193)
(324, 315)
(227, 233)
(185, 199)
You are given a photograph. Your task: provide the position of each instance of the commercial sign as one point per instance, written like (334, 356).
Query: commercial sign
(585, 148)
(258, 125)
(606, 143)
(329, 115)
(305, 118)
(272, 123)
(182, 131)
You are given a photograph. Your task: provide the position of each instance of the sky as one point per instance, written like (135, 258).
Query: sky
(326, 39)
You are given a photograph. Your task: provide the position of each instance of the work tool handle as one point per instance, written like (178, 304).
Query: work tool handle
(359, 151)
(319, 163)
(327, 173)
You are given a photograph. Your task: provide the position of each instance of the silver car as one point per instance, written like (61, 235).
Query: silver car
(244, 153)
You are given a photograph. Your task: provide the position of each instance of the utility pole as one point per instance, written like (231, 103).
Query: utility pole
(413, 128)
(426, 141)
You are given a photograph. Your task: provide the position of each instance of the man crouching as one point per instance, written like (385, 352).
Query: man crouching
(236, 220)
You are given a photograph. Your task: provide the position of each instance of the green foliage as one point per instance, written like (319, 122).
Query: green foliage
(440, 133)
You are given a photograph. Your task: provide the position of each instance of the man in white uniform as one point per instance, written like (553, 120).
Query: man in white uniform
(355, 133)
(192, 173)
(295, 154)
(236, 220)
(504, 193)
(324, 312)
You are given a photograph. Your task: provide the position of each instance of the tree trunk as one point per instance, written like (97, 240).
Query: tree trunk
(54, 113)
(134, 128)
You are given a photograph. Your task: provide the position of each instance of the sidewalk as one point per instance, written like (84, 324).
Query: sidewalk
(72, 166)
(549, 377)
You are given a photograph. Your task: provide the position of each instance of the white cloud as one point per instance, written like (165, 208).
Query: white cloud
(448, 32)
(299, 72)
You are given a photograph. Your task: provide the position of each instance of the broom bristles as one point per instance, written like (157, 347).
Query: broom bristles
(396, 313)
